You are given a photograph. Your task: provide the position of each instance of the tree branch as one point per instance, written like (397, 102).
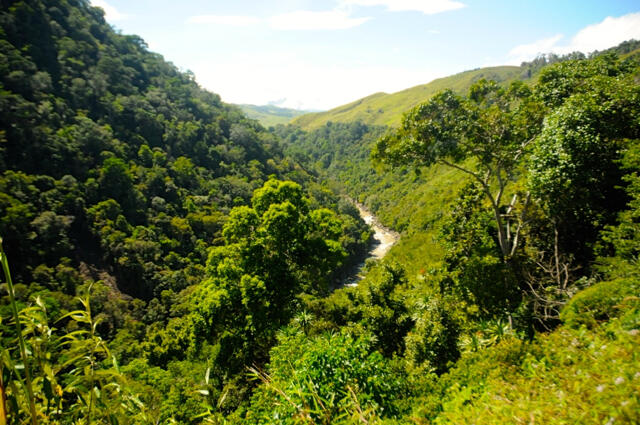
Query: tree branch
(522, 148)
(521, 221)
(464, 170)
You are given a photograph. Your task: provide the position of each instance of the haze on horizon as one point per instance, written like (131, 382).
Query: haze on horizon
(322, 54)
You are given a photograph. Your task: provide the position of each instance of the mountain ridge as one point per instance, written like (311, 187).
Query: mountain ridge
(271, 115)
(382, 108)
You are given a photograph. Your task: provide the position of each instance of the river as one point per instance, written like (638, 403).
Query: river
(383, 240)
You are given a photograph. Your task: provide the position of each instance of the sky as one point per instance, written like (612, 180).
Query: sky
(320, 54)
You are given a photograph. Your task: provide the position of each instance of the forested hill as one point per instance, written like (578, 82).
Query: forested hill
(112, 157)
(119, 178)
(106, 149)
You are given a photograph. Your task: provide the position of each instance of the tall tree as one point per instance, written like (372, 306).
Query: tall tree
(574, 166)
(492, 126)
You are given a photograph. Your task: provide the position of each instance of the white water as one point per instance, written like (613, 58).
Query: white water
(383, 238)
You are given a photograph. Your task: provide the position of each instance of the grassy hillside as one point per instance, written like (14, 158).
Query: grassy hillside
(270, 115)
(387, 109)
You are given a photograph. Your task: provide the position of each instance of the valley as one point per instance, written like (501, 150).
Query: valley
(381, 242)
(383, 237)
(170, 258)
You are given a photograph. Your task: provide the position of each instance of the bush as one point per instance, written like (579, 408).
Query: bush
(325, 380)
(600, 302)
(433, 341)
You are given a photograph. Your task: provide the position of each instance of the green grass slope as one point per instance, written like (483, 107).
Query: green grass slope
(270, 115)
(387, 109)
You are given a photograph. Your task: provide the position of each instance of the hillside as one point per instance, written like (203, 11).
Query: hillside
(97, 129)
(167, 260)
(270, 115)
(387, 109)
(449, 245)
(119, 176)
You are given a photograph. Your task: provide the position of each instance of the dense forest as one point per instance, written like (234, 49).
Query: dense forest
(168, 260)
(119, 177)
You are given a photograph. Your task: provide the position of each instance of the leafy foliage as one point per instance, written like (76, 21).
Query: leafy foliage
(573, 166)
(568, 375)
(325, 380)
(75, 377)
(600, 303)
(273, 251)
(476, 272)
(213, 259)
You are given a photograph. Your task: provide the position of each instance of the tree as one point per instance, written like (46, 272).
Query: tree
(625, 237)
(492, 127)
(475, 272)
(116, 182)
(574, 165)
(274, 250)
(325, 380)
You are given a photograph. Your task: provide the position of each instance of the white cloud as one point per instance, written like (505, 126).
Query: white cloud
(230, 20)
(428, 7)
(608, 33)
(110, 12)
(310, 20)
(293, 83)
(525, 52)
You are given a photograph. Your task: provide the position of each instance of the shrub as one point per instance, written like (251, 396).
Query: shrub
(600, 302)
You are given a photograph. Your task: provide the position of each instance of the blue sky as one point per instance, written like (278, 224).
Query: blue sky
(321, 54)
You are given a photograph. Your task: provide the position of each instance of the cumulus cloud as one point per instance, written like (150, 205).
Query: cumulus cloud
(230, 20)
(311, 20)
(608, 33)
(110, 12)
(428, 7)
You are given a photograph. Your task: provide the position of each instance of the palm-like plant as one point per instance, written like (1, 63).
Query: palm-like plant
(61, 377)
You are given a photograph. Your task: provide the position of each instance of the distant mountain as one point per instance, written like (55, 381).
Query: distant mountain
(269, 115)
(387, 109)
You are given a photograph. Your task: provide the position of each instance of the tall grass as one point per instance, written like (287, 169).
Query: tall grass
(21, 343)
